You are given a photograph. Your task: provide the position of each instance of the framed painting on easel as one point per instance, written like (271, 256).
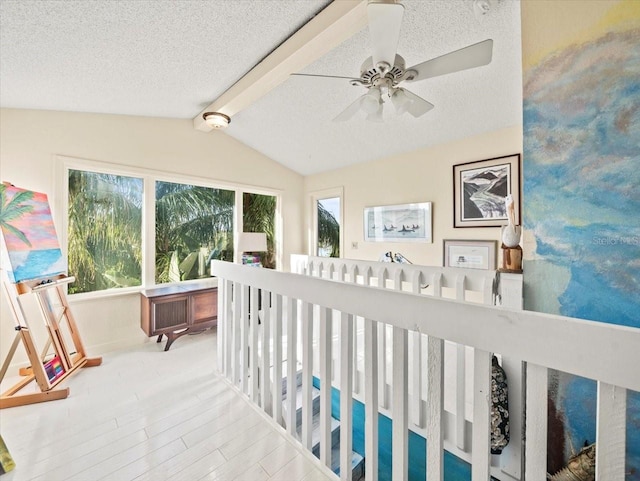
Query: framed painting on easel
(32, 263)
(29, 235)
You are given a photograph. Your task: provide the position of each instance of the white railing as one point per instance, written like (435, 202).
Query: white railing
(256, 357)
(469, 285)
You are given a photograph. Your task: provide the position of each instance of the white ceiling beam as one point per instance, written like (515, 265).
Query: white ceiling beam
(337, 22)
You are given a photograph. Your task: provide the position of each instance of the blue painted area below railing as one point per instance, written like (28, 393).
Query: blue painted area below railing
(455, 469)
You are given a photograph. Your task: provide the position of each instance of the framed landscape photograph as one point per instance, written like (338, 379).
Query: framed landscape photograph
(470, 254)
(398, 223)
(479, 189)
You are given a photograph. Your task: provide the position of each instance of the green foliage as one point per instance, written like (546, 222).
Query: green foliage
(259, 215)
(104, 231)
(328, 231)
(193, 225)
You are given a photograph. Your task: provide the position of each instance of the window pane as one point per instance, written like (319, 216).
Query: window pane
(328, 234)
(259, 215)
(193, 226)
(105, 231)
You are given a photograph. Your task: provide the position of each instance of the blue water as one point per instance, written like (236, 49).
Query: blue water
(36, 264)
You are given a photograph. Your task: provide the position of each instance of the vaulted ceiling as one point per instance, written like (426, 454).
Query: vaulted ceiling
(174, 58)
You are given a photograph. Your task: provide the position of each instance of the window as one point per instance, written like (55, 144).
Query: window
(128, 228)
(193, 226)
(326, 215)
(104, 231)
(259, 215)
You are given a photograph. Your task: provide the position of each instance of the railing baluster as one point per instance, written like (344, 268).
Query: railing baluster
(435, 408)
(353, 273)
(326, 339)
(481, 438)
(371, 399)
(461, 378)
(307, 374)
(265, 365)
(461, 395)
(415, 403)
(437, 285)
(382, 351)
(292, 344)
(330, 270)
(353, 278)
(354, 360)
(400, 435)
(236, 334)
(536, 427)
(487, 291)
(220, 330)
(611, 433)
(346, 398)
(253, 348)
(382, 363)
(227, 320)
(342, 273)
(276, 317)
(244, 338)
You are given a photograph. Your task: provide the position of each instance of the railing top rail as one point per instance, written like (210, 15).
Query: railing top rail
(586, 348)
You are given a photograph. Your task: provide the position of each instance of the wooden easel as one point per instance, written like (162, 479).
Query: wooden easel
(52, 299)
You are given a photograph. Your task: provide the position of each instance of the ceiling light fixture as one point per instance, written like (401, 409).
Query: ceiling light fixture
(216, 120)
(372, 100)
(400, 101)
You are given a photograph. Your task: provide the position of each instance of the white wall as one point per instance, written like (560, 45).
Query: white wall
(30, 140)
(419, 176)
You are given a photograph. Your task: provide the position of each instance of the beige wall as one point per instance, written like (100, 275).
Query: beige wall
(420, 176)
(30, 140)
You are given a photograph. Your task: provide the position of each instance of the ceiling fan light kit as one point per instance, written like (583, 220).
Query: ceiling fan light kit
(216, 120)
(382, 73)
(400, 101)
(371, 100)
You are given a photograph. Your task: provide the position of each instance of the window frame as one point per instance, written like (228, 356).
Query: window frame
(149, 178)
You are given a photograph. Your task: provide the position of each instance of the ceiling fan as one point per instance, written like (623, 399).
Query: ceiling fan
(383, 72)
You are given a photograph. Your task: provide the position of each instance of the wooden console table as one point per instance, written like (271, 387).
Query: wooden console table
(176, 310)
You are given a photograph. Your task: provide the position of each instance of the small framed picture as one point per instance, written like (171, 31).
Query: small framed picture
(479, 190)
(470, 254)
(398, 223)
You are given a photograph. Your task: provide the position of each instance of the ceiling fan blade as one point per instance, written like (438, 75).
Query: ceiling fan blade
(472, 56)
(323, 76)
(385, 20)
(350, 111)
(418, 105)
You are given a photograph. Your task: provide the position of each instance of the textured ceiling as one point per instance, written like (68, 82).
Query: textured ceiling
(171, 59)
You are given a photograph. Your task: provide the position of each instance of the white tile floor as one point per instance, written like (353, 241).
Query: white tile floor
(146, 414)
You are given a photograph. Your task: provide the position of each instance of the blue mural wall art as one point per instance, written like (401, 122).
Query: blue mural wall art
(581, 198)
